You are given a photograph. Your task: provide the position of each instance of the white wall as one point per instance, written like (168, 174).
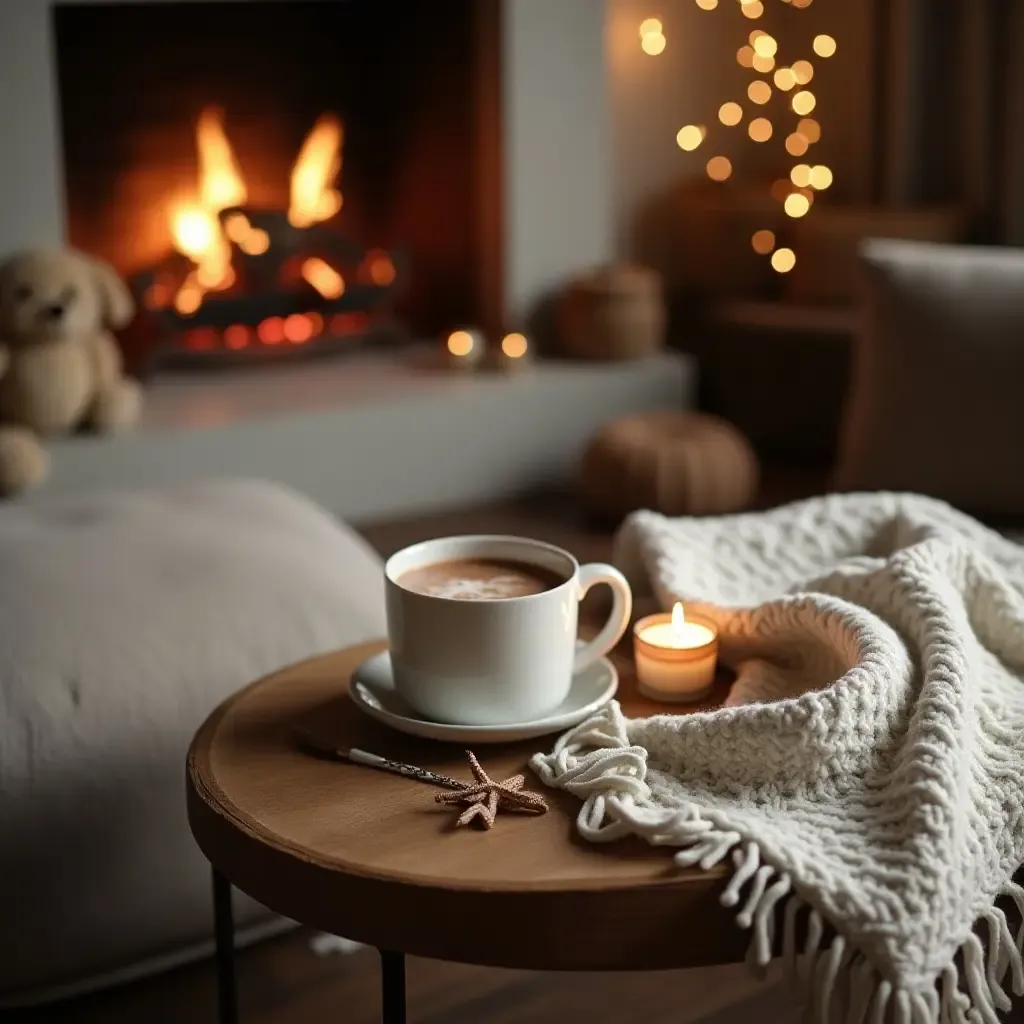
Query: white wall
(31, 208)
(558, 144)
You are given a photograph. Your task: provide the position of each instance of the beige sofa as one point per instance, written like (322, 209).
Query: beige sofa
(125, 620)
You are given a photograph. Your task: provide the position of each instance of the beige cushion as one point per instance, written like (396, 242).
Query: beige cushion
(828, 238)
(936, 403)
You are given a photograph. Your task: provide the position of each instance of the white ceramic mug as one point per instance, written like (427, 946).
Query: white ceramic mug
(494, 662)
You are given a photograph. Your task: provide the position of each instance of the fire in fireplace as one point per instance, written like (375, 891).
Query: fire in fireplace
(245, 280)
(277, 177)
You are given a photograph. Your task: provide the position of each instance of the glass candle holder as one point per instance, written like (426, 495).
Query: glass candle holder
(676, 657)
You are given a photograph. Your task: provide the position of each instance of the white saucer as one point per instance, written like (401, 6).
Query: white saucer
(372, 690)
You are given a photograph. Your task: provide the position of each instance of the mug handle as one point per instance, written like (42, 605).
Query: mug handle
(622, 608)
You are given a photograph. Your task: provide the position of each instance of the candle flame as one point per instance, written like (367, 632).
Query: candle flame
(678, 616)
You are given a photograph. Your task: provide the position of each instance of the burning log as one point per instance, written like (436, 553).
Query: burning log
(240, 273)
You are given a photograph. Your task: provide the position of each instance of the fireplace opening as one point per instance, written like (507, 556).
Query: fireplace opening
(283, 176)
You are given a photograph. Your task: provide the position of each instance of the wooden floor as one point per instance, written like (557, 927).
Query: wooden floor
(284, 982)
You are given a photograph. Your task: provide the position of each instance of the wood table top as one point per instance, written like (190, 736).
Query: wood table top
(371, 856)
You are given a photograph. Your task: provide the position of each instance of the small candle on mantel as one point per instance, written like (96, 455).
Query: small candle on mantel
(514, 353)
(675, 656)
(464, 348)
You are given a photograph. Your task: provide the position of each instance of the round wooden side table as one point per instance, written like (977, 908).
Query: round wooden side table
(370, 856)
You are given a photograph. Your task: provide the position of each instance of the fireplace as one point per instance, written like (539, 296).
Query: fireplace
(277, 177)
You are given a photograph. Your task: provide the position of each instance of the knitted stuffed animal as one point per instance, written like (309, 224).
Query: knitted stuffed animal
(60, 368)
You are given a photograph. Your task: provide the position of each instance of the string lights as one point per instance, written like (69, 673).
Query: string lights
(652, 35)
(760, 54)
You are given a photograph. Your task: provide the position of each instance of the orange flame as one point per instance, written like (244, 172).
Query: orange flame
(199, 234)
(678, 617)
(220, 180)
(313, 195)
(195, 227)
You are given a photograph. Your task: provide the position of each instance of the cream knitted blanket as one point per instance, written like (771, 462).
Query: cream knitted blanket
(867, 778)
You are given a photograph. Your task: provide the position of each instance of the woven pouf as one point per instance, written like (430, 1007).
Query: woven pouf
(674, 463)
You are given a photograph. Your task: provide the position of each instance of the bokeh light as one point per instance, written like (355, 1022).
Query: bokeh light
(797, 193)
(237, 336)
(719, 168)
(783, 260)
(759, 91)
(803, 102)
(460, 343)
(690, 136)
(800, 175)
(271, 330)
(824, 45)
(796, 204)
(515, 345)
(820, 177)
(730, 113)
(803, 71)
(653, 43)
(809, 129)
(297, 328)
(707, 5)
(785, 79)
(796, 144)
(651, 27)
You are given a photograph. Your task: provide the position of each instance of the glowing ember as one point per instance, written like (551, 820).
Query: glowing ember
(381, 269)
(324, 278)
(313, 195)
(271, 330)
(297, 328)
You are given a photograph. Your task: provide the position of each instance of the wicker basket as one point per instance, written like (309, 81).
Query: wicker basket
(614, 313)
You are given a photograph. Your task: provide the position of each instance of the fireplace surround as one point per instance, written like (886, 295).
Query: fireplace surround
(554, 212)
(284, 175)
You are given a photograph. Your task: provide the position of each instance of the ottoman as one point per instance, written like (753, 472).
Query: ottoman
(125, 620)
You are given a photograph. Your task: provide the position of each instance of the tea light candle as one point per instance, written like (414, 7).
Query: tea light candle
(675, 657)
(513, 353)
(463, 349)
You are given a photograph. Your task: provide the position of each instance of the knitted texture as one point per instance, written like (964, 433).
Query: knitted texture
(866, 776)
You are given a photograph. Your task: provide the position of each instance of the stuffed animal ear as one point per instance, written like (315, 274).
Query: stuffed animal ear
(115, 300)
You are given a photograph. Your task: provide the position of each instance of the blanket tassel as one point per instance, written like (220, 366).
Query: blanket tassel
(969, 994)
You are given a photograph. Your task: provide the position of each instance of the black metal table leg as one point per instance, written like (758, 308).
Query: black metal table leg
(224, 932)
(392, 987)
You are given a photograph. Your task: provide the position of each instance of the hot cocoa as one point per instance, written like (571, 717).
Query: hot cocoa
(480, 579)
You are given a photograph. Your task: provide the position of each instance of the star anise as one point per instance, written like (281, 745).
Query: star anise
(486, 797)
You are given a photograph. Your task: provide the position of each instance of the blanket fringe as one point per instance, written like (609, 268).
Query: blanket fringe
(824, 978)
